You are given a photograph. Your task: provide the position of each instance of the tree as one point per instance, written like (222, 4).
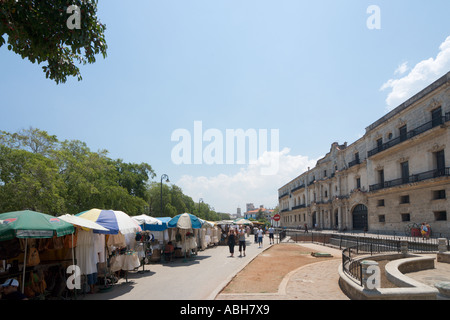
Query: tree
(43, 31)
(133, 177)
(29, 181)
(32, 139)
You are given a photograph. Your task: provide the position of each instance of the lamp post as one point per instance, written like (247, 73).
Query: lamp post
(164, 176)
(199, 200)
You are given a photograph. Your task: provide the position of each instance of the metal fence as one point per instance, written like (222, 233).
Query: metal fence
(355, 245)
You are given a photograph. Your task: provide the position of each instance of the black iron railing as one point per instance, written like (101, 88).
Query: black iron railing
(354, 163)
(353, 246)
(410, 134)
(411, 179)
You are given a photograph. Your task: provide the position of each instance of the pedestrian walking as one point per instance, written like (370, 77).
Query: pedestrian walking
(306, 228)
(260, 237)
(231, 241)
(255, 232)
(271, 237)
(241, 242)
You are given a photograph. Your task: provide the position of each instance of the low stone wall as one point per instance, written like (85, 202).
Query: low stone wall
(443, 257)
(409, 289)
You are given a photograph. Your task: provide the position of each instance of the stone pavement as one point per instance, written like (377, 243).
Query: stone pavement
(319, 281)
(204, 277)
(316, 281)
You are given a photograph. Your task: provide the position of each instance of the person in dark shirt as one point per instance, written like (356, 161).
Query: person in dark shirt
(9, 290)
(231, 241)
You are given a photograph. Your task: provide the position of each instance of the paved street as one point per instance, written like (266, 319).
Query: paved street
(199, 278)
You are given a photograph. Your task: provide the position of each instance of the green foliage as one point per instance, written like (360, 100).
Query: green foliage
(176, 202)
(29, 180)
(38, 31)
(41, 173)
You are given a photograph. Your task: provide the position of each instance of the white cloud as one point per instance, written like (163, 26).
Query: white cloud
(402, 68)
(226, 192)
(420, 76)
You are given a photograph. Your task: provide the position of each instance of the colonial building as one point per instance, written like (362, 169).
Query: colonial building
(397, 174)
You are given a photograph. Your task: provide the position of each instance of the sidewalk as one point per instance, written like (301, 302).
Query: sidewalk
(199, 278)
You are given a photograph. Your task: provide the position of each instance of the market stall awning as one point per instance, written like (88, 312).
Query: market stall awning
(32, 224)
(82, 222)
(243, 221)
(207, 224)
(185, 221)
(112, 220)
(146, 222)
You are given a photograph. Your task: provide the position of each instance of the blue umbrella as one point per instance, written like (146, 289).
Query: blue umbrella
(185, 221)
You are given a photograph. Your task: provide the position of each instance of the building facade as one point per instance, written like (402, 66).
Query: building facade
(397, 174)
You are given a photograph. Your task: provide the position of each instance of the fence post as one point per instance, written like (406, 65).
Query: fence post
(404, 246)
(442, 245)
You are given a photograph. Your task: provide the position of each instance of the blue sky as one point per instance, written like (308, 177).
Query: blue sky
(311, 69)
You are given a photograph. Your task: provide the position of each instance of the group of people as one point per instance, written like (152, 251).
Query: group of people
(238, 236)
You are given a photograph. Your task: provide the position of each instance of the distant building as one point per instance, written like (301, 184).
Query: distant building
(396, 175)
(254, 213)
(238, 213)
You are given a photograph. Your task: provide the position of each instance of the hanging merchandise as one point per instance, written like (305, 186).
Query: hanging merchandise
(33, 257)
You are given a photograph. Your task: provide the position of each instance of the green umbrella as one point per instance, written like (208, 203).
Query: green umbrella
(32, 224)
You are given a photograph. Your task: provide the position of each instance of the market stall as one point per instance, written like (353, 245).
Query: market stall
(207, 235)
(119, 242)
(184, 225)
(147, 246)
(24, 237)
(156, 235)
(223, 228)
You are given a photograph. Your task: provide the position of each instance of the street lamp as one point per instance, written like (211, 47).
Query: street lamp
(164, 176)
(199, 200)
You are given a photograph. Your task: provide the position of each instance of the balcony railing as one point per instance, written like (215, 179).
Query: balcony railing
(353, 163)
(298, 188)
(411, 179)
(410, 134)
(283, 195)
(299, 207)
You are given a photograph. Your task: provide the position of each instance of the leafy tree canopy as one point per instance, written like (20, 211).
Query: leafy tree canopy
(42, 31)
(41, 173)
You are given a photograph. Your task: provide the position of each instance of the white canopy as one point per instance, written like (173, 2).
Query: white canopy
(82, 222)
(143, 218)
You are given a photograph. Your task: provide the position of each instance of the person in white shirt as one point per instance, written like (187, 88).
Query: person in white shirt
(260, 237)
(271, 237)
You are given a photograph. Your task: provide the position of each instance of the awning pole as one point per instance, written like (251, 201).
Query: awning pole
(24, 265)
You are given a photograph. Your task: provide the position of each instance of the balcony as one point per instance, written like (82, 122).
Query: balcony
(354, 163)
(297, 188)
(444, 172)
(299, 207)
(410, 134)
(283, 195)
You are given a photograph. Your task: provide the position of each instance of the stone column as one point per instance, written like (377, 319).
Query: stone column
(442, 245)
(403, 246)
